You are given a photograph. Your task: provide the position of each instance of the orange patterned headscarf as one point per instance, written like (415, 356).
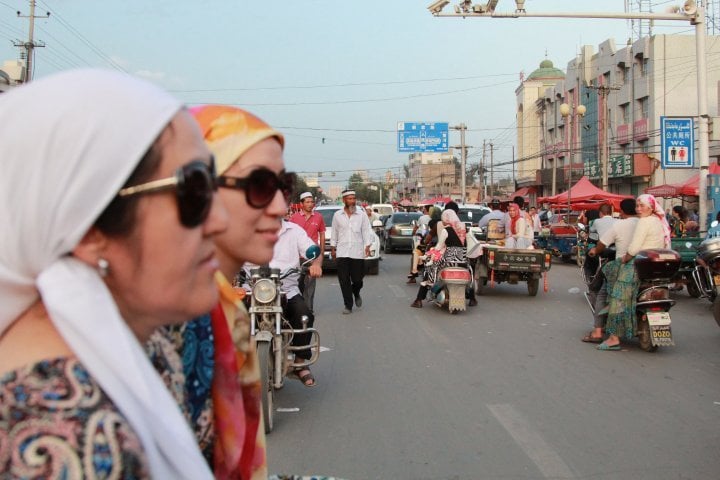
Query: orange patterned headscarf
(229, 132)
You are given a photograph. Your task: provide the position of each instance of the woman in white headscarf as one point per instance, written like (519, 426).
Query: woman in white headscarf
(108, 213)
(652, 231)
(451, 241)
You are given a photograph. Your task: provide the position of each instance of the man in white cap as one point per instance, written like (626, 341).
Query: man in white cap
(314, 226)
(350, 244)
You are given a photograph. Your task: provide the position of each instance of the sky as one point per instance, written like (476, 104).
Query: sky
(334, 77)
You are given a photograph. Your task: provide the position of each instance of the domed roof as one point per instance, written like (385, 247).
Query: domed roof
(546, 70)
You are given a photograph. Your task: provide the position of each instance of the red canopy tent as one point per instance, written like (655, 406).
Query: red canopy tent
(688, 188)
(584, 195)
(434, 200)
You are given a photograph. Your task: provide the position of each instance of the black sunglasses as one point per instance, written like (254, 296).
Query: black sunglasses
(194, 184)
(261, 185)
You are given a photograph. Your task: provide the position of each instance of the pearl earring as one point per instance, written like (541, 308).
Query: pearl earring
(103, 266)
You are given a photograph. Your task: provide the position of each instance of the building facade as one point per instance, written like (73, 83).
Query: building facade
(625, 92)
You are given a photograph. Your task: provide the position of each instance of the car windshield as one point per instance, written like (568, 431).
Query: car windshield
(327, 214)
(406, 218)
(471, 214)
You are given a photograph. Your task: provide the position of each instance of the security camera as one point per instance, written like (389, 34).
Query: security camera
(437, 7)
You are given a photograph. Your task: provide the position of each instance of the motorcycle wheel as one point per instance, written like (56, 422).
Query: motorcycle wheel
(643, 335)
(533, 285)
(267, 392)
(716, 310)
(692, 287)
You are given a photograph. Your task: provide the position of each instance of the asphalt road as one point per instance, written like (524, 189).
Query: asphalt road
(505, 390)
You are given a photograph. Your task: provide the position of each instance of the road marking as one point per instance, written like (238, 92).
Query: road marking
(532, 443)
(288, 410)
(399, 292)
(325, 349)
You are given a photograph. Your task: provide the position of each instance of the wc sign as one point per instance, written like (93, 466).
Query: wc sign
(678, 142)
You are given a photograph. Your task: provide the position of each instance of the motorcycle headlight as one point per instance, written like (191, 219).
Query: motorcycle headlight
(264, 291)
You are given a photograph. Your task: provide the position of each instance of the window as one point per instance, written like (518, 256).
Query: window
(624, 114)
(643, 105)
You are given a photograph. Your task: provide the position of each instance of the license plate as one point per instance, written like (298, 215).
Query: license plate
(716, 279)
(406, 232)
(660, 331)
(658, 318)
(261, 309)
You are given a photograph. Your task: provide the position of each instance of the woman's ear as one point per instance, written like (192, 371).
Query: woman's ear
(91, 247)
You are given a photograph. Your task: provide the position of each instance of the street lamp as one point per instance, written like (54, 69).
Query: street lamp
(570, 114)
(690, 11)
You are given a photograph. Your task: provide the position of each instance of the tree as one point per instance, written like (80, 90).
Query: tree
(301, 186)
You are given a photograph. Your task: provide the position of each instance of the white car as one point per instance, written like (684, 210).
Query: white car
(372, 263)
(471, 214)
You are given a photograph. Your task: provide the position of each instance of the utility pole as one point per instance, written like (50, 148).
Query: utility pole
(463, 157)
(604, 145)
(492, 172)
(30, 45)
(483, 186)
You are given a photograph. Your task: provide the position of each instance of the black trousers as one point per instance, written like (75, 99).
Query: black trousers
(295, 308)
(350, 273)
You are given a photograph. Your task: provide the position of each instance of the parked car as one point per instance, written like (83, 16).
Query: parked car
(382, 208)
(372, 263)
(398, 229)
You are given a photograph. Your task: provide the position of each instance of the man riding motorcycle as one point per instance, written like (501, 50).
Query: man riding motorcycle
(292, 244)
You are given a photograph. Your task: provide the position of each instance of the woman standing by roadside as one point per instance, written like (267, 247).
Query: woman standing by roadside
(652, 231)
(109, 217)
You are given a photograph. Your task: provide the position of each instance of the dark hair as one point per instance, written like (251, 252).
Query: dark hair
(628, 206)
(118, 218)
(681, 211)
(605, 209)
(520, 201)
(592, 215)
(452, 206)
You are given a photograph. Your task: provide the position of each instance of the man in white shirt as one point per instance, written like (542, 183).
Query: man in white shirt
(350, 244)
(620, 233)
(292, 244)
(601, 225)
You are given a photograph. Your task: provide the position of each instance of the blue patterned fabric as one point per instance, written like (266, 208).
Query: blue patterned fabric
(198, 363)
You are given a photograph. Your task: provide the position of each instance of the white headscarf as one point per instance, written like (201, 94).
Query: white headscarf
(69, 143)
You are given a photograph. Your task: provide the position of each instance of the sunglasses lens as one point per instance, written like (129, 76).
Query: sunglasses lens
(288, 187)
(195, 193)
(263, 184)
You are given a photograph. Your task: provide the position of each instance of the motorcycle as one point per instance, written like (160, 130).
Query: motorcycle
(655, 270)
(273, 333)
(707, 273)
(452, 282)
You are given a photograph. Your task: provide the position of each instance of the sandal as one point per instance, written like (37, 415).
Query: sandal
(605, 347)
(308, 379)
(589, 338)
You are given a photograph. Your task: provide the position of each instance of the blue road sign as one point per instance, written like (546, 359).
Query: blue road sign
(678, 142)
(422, 137)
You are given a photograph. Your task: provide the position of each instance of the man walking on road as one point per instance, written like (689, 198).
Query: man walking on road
(350, 244)
(314, 226)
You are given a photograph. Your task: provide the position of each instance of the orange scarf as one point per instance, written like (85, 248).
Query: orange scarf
(239, 450)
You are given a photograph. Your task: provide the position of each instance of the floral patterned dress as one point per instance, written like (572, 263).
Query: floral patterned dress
(57, 423)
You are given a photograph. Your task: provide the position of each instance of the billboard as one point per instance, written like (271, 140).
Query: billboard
(414, 137)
